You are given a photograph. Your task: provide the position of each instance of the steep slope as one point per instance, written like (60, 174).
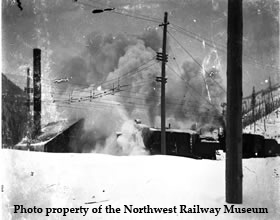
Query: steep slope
(14, 113)
(268, 126)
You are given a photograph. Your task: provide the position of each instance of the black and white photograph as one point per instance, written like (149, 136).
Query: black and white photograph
(140, 109)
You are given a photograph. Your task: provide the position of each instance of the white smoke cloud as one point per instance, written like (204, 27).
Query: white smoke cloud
(120, 60)
(110, 61)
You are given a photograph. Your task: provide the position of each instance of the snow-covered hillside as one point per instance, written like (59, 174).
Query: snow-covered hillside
(269, 126)
(90, 180)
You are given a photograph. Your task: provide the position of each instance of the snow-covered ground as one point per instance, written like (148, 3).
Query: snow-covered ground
(269, 127)
(90, 180)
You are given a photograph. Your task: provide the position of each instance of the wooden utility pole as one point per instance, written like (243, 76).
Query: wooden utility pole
(265, 111)
(271, 95)
(162, 56)
(253, 104)
(234, 103)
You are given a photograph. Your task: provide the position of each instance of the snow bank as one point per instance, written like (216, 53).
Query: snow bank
(268, 126)
(90, 180)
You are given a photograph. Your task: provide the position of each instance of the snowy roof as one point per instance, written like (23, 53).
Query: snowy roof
(168, 129)
(54, 128)
(141, 126)
(49, 132)
(171, 130)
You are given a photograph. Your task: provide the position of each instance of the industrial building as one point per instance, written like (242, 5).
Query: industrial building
(55, 137)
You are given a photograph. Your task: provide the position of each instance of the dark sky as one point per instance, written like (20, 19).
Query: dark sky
(61, 28)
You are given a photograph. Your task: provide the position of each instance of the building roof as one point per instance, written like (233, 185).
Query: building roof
(171, 130)
(49, 132)
(53, 129)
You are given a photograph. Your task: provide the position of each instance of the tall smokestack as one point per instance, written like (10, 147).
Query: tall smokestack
(37, 90)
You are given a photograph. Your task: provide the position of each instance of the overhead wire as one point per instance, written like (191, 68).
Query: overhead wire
(123, 103)
(50, 82)
(192, 88)
(199, 64)
(119, 12)
(133, 16)
(154, 20)
(133, 71)
(217, 46)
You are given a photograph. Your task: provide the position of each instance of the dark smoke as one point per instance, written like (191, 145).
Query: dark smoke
(195, 107)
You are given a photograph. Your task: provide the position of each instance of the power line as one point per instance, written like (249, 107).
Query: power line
(133, 71)
(192, 89)
(175, 59)
(221, 47)
(95, 94)
(50, 82)
(197, 37)
(155, 101)
(86, 100)
(136, 106)
(136, 17)
(196, 62)
(119, 12)
(123, 103)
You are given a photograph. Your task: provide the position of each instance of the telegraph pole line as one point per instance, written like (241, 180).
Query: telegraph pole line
(162, 56)
(234, 103)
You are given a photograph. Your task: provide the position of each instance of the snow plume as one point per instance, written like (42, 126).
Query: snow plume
(99, 134)
(99, 129)
(131, 141)
(109, 61)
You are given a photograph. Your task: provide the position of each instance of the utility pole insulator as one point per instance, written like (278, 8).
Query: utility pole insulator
(113, 89)
(91, 95)
(163, 24)
(159, 79)
(161, 57)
